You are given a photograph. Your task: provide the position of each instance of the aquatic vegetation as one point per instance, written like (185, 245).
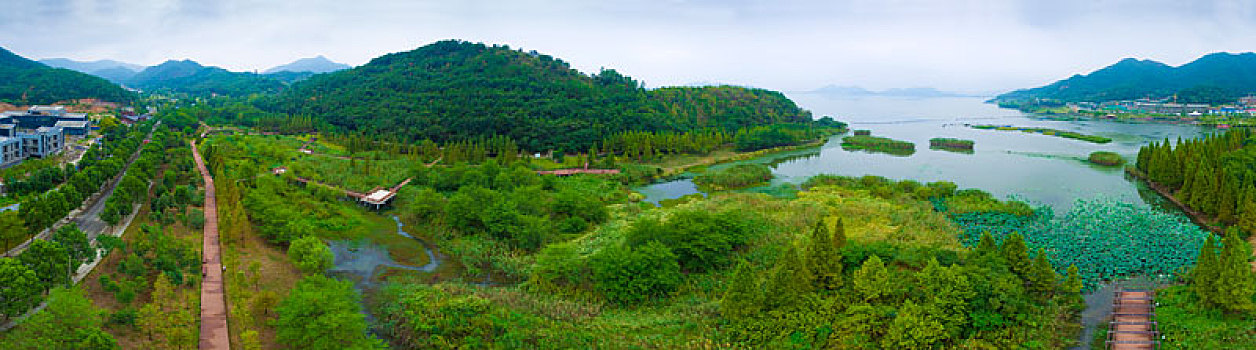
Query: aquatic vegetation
(734, 177)
(1106, 158)
(952, 145)
(878, 144)
(1046, 131)
(1104, 238)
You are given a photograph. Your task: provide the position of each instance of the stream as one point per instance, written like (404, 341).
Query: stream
(361, 261)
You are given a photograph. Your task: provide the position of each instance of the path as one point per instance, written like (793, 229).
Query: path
(1133, 323)
(214, 331)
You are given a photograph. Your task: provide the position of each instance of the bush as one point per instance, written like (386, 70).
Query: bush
(630, 275)
(701, 240)
(1106, 158)
(737, 176)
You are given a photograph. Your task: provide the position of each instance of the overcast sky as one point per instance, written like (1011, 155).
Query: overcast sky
(967, 46)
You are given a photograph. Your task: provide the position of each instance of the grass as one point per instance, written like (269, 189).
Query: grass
(1106, 158)
(878, 144)
(1048, 132)
(1186, 324)
(735, 177)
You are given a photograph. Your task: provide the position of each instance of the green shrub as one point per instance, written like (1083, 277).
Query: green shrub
(737, 176)
(630, 275)
(878, 144)
(1106, 158)
(700, 239)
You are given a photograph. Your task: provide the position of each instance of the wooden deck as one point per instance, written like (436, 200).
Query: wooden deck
(214, 331)
(1133, 323)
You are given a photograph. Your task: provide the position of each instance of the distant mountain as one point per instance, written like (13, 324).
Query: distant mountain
(289, 77)
(318, 64)
(189, 77)
(89, 66)
(855, 91)
(456, 90)
(116, 74)
(1215, 78)
(23, 82)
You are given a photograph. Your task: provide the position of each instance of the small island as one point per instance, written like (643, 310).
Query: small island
(878, 144)
(1106, 158)
(949, 144)
(734, 177)
(1046, 131)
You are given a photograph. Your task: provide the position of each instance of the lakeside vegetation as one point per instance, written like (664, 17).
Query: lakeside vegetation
(1105, 158)
(1046, 131)
(949, 144)
(734, 177)
(878, 144)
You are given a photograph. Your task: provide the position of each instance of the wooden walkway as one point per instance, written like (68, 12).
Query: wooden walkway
(1133, 323)
(214, 332)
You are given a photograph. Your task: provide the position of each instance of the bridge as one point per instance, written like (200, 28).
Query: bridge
(1133, 325)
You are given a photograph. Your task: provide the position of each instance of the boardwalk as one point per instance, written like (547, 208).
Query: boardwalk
(1133, 320)
(214, 332)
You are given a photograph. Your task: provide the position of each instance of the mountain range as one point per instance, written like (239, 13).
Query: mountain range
(1214, 78)
(23, 82)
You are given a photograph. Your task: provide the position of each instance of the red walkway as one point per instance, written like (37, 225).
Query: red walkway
(214, 333)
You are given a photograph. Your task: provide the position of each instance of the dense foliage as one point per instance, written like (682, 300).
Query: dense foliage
(951, 144)
(322, 314)
(69, 322)
(1215, 175)
(25, 82)
(1217, 77)
(454, 90)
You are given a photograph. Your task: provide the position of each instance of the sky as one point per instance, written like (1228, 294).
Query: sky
(974, 46)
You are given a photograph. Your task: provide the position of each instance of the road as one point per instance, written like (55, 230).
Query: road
(214, 331)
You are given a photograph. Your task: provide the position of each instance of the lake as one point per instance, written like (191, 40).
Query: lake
(1036, 168)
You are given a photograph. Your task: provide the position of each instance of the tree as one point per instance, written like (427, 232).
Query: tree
(743, 298)
(1235, 283)
(76, 243)
(68, 322)
(986, 245)
(19, 287)
(913, 328)
(1246, 209)
(49, 261)
(872, 280)
(1016, 255)
(12, 229)
(321, 313)
(311, 255)
(1204, 276)
(824, 255)
(1071, 290)
(1041, 278)
(790, 281)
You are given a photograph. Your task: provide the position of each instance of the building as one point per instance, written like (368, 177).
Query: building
(44, 142)
(11, 150)
(74, 127)
(42, 116)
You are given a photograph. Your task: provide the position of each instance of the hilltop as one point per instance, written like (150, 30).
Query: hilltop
(111, 70)
(23, 81)
(315, 65)
(456, 90)
(190, 77)
(1214, 78)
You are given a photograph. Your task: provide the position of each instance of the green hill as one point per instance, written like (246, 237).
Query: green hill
(454, 90)
(23, 81)
(192, 78)
(1215, 78)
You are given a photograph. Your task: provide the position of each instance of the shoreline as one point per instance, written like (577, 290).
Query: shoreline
(1202, 220)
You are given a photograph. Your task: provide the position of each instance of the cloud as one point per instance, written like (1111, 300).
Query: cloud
(972, 46)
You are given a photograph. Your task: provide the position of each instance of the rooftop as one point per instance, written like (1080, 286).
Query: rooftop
(44, 129)
(72, 124)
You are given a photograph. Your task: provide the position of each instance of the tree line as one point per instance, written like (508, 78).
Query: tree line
(1215, 175)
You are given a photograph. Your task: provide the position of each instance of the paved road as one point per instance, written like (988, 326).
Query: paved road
(214, 331)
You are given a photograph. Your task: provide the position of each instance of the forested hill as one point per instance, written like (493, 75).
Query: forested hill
(192, 78)
(1215, 78)
(453, 90)
(24, 82)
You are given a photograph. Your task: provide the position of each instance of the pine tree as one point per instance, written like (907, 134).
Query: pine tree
(986, 245)
(1041, 278)
(1247, 210)
(1225, 199)
(1016, 255)
(1235, 283)
(872, 280)
(824, 257)
(913, 328)
(790, 281)
(1204, 276)
(744, 297)
(1071, 290)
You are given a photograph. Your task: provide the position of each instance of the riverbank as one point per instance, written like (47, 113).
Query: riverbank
(673, 166)
(1203, 220)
